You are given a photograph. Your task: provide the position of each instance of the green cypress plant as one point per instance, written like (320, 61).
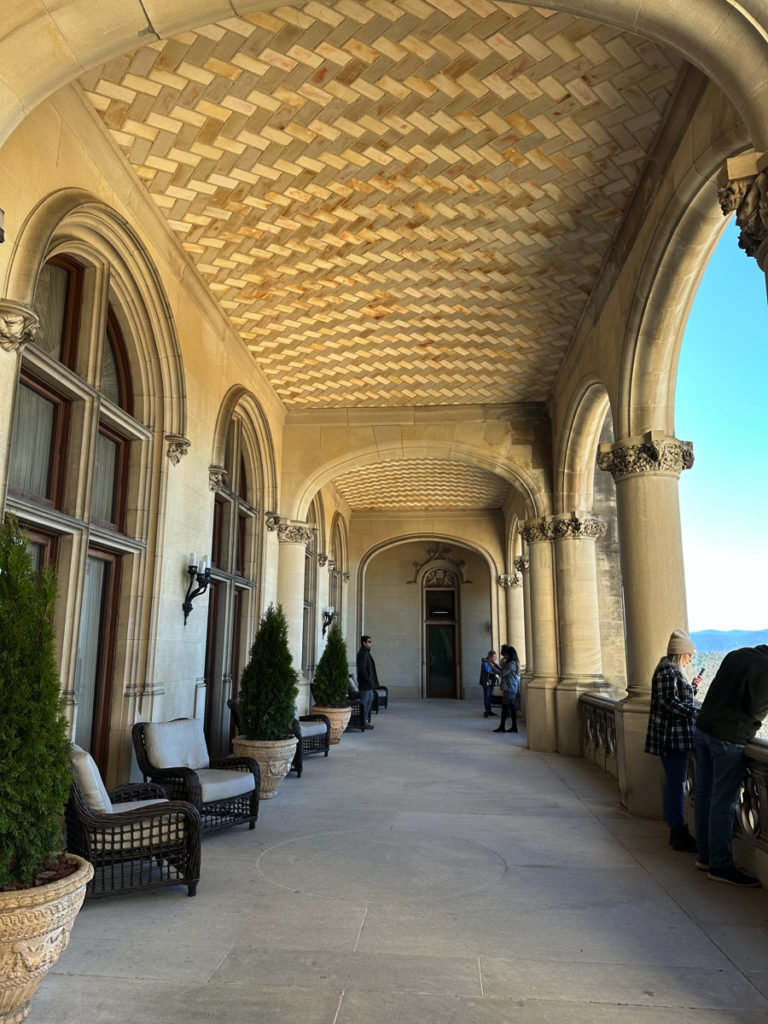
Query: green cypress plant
(268, 690)
(330, 684)
(34, 748)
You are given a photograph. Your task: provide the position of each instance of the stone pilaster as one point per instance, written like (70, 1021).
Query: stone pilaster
(575, 535)
(646, 471)
(541, 716)
(293, 539)
(512, 584)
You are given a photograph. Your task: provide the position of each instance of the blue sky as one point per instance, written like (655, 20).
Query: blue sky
(721, 405)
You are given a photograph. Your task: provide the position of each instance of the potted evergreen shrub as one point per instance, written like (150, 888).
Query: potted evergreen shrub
(267, 703)
(330, 684)
(41, 888)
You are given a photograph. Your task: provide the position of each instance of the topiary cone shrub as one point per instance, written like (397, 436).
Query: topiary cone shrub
(268, 690)
(34, 747)
(330, 684)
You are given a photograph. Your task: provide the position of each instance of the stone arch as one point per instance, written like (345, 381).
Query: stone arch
(258, 437)
(575, 460)
(726, 41)
(677, 256)
(339, 529)
(533, 490)
(72, 221)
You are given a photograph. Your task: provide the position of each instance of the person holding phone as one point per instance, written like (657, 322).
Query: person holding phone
(670, 732)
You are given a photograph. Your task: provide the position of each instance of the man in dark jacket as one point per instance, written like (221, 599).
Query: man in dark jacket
(367, 679)
(733, 710)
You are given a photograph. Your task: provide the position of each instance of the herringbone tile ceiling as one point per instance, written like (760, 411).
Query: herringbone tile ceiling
(395, 202)
(422, 484)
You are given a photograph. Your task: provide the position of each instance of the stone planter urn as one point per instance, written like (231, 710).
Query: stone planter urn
(274, 758)
(338, 717)
(34, 931)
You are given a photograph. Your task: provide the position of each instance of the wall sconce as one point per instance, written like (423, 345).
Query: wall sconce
(328, 616)
(202, 577)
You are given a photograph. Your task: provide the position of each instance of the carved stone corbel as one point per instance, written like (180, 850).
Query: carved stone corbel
(18, 325)
(743, 189)
(322, 559)
(178, 447)
(273, 521)
(217, 478)
(521, 564)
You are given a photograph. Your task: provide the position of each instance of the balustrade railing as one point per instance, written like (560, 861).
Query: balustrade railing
(598, 730)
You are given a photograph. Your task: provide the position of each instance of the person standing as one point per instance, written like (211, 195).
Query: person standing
(670, 731)
(367, 679)
(510, 687)
(489, 672)
(732, 712)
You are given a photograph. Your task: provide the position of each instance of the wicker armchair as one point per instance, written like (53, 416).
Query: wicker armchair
(174, 754)
(312, 731)
(135, 838)
(380, 695)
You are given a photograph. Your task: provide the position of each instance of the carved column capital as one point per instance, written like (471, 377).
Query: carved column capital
(18, 325)
(273, 521)
(510, 579)
(217, 478)
(577, 525)
(178, 447)
(294, 533)
(652, 453)
(521, 564)
(322, 559)
(534, 531)
(743, 189)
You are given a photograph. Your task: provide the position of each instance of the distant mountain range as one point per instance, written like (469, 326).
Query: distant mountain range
(728, 640)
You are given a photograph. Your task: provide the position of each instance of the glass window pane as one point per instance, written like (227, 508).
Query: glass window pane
(110, 378)
(88, 650)
(34, 420)
(51, 307)
(104, 479)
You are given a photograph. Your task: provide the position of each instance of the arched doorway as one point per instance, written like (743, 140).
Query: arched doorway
(441, 632)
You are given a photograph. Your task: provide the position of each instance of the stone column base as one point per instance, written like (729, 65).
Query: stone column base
(569, 738)
(541, 713)
(641, 776)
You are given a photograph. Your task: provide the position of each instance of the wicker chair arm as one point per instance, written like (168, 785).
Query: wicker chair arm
(137, 791)
(178, 783)
(316, 718)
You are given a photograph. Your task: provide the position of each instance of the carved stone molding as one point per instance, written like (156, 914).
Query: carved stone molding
(273, 520)
(217, 478)
(345, 577)
(331, 565)
(440, 578)
(577, 525)
(178, 447)
(521, 564)
(744, 190)
(510, 579)
(652, 453)
(534, 531)
(322, 559)
(440, 554)
(18, 325)
(294, 533)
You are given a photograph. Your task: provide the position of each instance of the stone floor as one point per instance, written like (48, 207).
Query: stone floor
(428, 871)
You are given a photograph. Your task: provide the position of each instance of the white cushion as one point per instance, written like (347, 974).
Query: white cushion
(132, 805)
(309, 729)
(353, 684)
(139, 835)
(179, 744)
(89, 778)
(223, 783)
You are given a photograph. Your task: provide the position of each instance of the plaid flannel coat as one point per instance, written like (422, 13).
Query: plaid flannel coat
(673, 713)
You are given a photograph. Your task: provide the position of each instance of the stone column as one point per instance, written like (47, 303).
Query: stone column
(523, 564)
(579, 620)
(293, 538)
(646, 471)
(540, 714)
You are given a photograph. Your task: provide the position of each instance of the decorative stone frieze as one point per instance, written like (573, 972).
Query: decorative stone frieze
(273, 521)
(521, 564)
(577, 525)
(510, 579)
(440, 554)
(744, 190)
(322, 559)
(178, 447)
(217, 478)
(294, 533)
(653, 453)
(18, 325)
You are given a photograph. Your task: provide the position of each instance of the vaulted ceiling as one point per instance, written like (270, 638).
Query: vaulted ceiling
(395, 203)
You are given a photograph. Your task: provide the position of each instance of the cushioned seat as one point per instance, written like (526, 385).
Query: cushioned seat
(134, 836)
(174, 754)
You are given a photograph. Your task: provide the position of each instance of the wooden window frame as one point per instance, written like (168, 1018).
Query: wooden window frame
(59, 443)
(117, 522)
(115, 336)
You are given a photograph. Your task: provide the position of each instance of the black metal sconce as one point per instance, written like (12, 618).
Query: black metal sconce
(328, 616)
(201, 576)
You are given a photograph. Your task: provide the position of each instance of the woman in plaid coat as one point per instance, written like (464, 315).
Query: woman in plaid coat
(671, 729)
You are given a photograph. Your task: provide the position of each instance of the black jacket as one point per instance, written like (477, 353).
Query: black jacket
(737, 700)
(366, 670)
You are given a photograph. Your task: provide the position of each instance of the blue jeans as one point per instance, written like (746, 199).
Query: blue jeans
(718, 781)
(487, 692)
(366, 699)
(675, 773)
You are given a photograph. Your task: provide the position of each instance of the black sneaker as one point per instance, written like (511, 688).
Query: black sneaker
(733, 876)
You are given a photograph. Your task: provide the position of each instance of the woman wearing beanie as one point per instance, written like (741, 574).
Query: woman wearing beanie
(670, 731)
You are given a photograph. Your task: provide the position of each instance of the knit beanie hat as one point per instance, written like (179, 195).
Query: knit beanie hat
(680, 643)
